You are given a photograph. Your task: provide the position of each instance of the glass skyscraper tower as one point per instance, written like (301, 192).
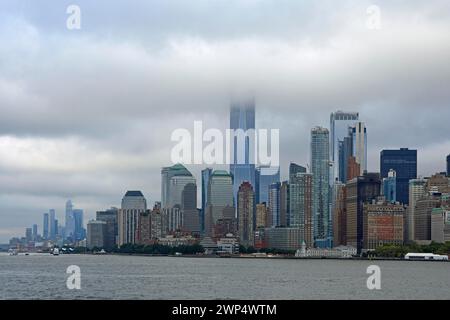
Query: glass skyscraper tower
(339, 129)
(320, 168)
(242, 116)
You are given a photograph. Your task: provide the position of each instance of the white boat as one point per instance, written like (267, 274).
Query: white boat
(55, 252)
(426, 256)
(12, 252)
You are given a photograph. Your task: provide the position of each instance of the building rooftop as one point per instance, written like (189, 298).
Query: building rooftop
(134, 193)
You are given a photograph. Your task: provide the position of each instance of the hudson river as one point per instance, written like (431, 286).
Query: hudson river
(42, 276)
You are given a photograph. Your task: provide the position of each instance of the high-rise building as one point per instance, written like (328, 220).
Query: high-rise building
(96, 234)
(79, 231)
(320, 168)
(274, 205)
(294, 169)
(133, 204)
(45, 226)
(35, 232)
(404, 162)
(422, 216)
(134, 200)
(301, 205)
(28, 234)
(262, 216)
(390, 186)
(246, 197)
(448, 165)
(353, 168)
(110, 218)
(339, 214)
(345, 153)
(438, 183)
(242, 123)
(360, 190)
(70, 221)
(220, 197)
(173, 180)
(359, 141)
(151, 226)
(191, 217)
(284, 204)
(339, 129)
(206, 174)
(440, 225)
(417, 190)
(383, 224)
(264, 177)
(53, 224)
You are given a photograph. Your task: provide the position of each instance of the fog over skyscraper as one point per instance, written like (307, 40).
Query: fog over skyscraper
(242, 167)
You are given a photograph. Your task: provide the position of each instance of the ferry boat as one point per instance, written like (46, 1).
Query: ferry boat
(426, 256)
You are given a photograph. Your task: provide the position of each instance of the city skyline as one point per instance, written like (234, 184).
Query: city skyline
(87, 115)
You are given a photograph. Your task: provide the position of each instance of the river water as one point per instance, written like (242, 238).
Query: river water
(43, 276)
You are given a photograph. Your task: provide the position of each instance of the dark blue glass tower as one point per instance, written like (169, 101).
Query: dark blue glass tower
(404, 162)
(242, 116)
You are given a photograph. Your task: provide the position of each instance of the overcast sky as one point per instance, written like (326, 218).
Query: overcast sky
(88, 114)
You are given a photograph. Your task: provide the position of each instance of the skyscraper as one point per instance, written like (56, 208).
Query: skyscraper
(79, 231)
(133, 204)
(96, 234)
(359, 142)
(53, 224)
(417, 190)
(110, 218)
(274, 205)
(301, 205)
(206, 174)
(45, 226)
(69, 221)
(245, 211)
(173, 180)
(191, 218)
(404, 162)
(294, 169)
(320, 168)
(360, 190)
(35, 232)
(220, 197)
(262, 182)
(339, 214)
(262, 216)
(345, 155)
(242, 167)
(284, 204)
(134, 200)
(339, 123)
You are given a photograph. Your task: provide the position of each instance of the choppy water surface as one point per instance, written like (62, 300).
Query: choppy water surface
(43, 276)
